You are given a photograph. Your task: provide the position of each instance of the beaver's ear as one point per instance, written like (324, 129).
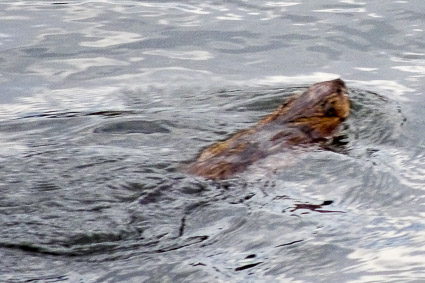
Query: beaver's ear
(340, 83)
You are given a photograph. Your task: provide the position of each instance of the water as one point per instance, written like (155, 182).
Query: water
(101, 101)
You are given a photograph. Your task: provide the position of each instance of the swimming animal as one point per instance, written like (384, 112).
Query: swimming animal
(313, 116)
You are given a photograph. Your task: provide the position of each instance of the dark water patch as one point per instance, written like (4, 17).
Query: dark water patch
(128, 127)
(35, 51)
(243, 49)
(331, 53)
(54, 114)
(180, 38)
(188, 242)
(296, 18)
(248, 266)
(289, 244)
(314, 207)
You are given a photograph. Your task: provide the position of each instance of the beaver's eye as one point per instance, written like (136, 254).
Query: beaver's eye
(330, 111)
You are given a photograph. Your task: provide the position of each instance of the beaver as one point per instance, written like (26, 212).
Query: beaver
(313, 116)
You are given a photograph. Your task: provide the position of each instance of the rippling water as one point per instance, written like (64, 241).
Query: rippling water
(102, 101)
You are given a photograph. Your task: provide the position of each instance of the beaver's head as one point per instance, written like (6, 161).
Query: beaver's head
(320, 109)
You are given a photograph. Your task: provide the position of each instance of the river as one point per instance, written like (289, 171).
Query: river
(102, 101)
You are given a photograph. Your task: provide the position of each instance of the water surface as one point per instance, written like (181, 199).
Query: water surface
(102, 101)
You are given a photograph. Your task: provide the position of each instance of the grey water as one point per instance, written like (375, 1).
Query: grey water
(102, 101)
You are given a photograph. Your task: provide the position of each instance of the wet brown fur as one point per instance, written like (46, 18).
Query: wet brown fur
(312, 116)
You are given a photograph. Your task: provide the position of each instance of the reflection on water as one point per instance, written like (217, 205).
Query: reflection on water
(102, 101)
